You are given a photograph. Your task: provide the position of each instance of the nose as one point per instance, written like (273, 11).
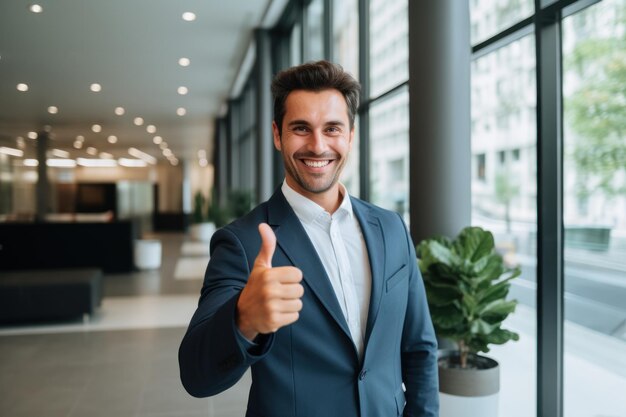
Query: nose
(317, 143)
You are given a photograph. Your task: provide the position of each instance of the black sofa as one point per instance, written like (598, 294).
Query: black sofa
(104, 245)
(37, 295)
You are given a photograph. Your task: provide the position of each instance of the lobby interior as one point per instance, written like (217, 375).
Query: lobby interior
(125, 126)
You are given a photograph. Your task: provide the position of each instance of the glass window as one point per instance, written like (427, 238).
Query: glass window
(350, 176)
(295, 45)
(389, 44)
(389, 152)
(315, 31)
(346, 35)
(594, 204)
(492, 16)
(504, 200)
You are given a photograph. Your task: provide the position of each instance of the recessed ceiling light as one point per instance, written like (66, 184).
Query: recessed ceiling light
(96, 128)
(20, 142)
(182, 90)
(95, 87)
(151, 128)
(92, 151)
(106, 155)
(22, 87)
(11, 151)
(181, 111)
(163, 145)
(189, 16)
(60, 153)
(157, 140)
(138, 121)
(174, 162)
(35, 8)
(119, 111)
(184, 62)
(32, 135)
(31, 162)
(78, 144)
(80, 138)
(53, 109)
(167, 152)
(128, 162)
(203, 162)
(48, 128)
(112, 139)
(201, 153)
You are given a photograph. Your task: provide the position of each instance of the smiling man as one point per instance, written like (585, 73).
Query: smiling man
(317, 291)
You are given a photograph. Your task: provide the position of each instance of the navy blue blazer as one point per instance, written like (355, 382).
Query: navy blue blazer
(311, 367)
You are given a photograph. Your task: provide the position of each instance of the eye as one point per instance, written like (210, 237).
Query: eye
(300, 129)
(333, 130)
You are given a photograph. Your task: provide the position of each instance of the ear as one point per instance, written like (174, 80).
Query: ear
(277, 143)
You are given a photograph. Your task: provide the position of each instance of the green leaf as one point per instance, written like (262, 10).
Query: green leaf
(473, 243)
(446, 317)
(501, 336)
(482, 327)
(498, 307)
(441, 294)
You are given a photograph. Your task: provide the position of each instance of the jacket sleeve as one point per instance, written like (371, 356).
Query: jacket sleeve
(419, 347)
(212, 357)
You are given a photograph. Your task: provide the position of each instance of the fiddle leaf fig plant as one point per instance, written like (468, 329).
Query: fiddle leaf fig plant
(467, 284)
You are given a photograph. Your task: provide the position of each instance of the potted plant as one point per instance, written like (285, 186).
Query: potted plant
(467, 283)
(202, 228)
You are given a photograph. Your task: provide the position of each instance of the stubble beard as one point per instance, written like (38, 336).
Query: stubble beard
(312, 186)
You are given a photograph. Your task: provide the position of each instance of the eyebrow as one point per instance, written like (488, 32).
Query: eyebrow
(304, 122)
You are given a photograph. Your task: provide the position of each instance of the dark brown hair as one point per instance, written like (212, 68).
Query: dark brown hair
(314, 76)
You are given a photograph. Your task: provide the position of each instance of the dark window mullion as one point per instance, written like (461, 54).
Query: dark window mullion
(549, 214)
(364, 75)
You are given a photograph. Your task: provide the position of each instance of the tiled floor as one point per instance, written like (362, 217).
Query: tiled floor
(120, 362)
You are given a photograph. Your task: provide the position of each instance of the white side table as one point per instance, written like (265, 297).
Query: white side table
(147, 253)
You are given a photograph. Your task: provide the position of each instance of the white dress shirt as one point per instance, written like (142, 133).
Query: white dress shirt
(340, 245)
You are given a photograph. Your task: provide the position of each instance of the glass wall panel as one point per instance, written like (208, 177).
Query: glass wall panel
(504, 200)
(295, 45)
(488, 17)
(350, 176)
(315, 31)
(346, 35)
(389, 44)
(594, 201)
(389, 153)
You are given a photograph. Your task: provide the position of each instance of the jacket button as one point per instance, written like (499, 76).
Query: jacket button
(362, 374)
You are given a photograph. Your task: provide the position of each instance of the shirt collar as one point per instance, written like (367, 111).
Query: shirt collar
(308, 211)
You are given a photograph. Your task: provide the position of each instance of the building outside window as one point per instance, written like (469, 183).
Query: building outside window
(345, 29)
(504, 197)
(504, 201)
(389, 116)
(594, 178)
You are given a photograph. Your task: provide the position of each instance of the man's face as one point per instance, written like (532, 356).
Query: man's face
(316, 140)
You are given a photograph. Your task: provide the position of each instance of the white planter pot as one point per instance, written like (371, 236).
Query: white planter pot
(202, 231)
(147, 253)
(469, 392)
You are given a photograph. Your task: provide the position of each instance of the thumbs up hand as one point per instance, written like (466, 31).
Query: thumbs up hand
(271, 298)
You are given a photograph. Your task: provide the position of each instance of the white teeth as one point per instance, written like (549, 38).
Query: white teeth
(316, 164)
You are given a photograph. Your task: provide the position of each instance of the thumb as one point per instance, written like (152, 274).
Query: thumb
(268, 245)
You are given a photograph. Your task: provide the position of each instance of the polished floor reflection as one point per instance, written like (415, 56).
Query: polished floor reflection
(120, 362)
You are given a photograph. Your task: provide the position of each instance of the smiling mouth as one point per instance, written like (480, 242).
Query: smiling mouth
(315, 164)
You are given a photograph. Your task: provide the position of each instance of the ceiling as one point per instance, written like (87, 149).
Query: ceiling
(131, 48)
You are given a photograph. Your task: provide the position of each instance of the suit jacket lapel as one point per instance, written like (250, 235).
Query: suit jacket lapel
(374, 240)
(295, 243)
